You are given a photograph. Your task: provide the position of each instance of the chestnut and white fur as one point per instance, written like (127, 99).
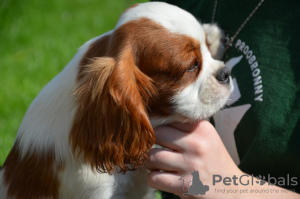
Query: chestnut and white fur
(87, 132)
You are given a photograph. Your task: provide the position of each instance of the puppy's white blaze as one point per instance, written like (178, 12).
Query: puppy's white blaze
(169, 16)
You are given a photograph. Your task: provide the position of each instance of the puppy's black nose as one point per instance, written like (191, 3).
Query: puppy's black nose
(223, 75)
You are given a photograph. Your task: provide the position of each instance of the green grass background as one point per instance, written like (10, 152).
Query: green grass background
(37, 39)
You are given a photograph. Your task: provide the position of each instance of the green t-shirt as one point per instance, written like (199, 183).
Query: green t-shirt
(260, 126)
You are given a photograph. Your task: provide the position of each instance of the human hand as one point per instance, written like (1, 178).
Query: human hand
(198, 147)
(194, 147)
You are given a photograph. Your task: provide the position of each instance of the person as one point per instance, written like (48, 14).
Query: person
(259, 127)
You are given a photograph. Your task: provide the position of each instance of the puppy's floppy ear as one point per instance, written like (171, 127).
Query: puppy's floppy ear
(111, 126)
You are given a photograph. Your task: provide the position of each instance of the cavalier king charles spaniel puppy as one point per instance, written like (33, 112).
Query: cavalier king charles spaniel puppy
(87, 133)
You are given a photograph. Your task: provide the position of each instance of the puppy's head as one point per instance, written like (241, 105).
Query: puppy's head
(156, 64)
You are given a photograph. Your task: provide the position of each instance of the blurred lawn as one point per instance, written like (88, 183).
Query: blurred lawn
(37, 39)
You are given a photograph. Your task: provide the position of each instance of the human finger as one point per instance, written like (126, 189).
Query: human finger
(169, 137)
(165, 181)
(163, 159)
(185, 127)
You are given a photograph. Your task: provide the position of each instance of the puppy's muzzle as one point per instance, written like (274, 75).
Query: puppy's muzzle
(223, 75)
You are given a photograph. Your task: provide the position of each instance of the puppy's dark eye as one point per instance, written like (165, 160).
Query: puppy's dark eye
(194, 66)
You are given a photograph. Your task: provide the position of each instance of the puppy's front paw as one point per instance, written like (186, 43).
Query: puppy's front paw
(214, 40)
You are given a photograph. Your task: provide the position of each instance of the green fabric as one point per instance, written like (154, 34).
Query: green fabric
(268, 135)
